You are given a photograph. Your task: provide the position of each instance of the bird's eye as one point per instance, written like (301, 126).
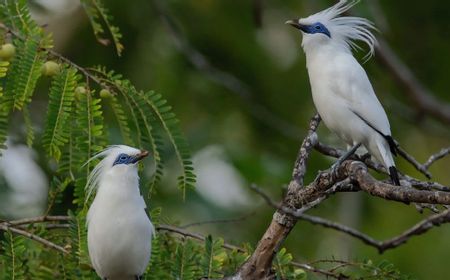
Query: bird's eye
(123, 157)
(318, 27)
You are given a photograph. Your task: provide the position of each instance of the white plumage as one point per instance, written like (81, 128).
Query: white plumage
(119, 230)
(341, 90)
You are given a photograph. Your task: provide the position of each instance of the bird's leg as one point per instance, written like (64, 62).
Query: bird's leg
(344, 157)
(138, 277)
(365, 156)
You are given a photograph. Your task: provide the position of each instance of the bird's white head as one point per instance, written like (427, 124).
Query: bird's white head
(118, 160)
(328, 28)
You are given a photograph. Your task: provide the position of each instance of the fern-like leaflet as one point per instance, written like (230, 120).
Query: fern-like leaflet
(13, 251)
(99, 15)
(59, 111)
(4, 114)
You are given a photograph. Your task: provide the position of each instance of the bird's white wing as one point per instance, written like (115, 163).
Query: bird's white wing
(353, 85)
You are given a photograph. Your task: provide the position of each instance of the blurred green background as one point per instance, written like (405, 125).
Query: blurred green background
(235, 75)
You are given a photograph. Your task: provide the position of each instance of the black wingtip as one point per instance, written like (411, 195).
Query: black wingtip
(392, 144)
(394, 175)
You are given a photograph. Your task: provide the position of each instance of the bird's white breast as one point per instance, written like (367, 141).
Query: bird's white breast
(119, 230)
(340, 87)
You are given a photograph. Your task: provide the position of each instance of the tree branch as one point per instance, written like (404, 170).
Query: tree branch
(433, 158)
(34, 237)
(259, 265)
(219, 221)
(197, 236)
(358, 171)
(421, 97)
(382, 246)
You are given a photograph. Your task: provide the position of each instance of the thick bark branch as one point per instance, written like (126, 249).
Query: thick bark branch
(351, 172)
(358, 171)
(259, 265)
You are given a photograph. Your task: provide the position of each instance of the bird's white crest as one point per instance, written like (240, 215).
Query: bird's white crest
(109, 155)
(345, 29)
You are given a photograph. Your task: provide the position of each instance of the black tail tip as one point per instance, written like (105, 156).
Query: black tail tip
(394, 175)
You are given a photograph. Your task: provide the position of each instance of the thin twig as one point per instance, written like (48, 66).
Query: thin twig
(46, 226)
(57, 55)
(326, 273)
(421, 168)
(305, 149)
(39, 219)
(197, 236)
(34, 237)
(418, 229)
(219, 221)
(433, 158)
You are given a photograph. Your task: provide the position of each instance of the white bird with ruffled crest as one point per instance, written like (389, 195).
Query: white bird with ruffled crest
(119, 230)
(341, 90)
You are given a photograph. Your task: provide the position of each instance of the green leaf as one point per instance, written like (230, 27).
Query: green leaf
(28, 126)
(59, 111)
(122, 120)
(15, 14)
(90, 139)
(100, 17)
(185, 267)
(166, 118)
(4, 113)
(213, 258)
(14, 249)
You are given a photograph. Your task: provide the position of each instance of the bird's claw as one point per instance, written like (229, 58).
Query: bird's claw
(335, 169)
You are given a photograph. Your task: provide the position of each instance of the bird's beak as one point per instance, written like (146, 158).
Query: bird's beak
(296, 24)
(140, 156)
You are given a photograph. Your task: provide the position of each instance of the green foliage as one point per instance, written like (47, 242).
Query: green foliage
(25, 72)
(213, 259)
(382, 270)
(284, 270)
(77, 264)
(61, 96)
(74, 126)
(150, 116)
(15, 14)
(28, 126)
(13, 252)
(101, 21)
(90, 139)
(4, 114)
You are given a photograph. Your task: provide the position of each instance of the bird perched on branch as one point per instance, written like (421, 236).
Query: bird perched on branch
(341, 90)
(119, 230)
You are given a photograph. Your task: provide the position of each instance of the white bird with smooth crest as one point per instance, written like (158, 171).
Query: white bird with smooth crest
(341, 90)
(119, 230)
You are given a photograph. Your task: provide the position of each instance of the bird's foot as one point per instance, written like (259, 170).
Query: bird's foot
(365, 157)
(344, 157)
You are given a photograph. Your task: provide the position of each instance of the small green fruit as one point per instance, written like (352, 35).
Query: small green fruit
(79, 92)
(7, 51)
(50, 68)
(104, 93)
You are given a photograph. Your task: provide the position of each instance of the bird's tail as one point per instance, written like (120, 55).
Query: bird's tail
(385, 156)
(394, 175)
